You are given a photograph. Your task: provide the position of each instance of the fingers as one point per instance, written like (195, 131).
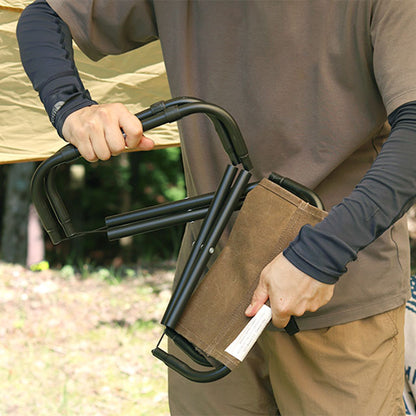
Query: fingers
(280, 314)
(133, 130)
(290, 292)
(97, 131)
(260, 297)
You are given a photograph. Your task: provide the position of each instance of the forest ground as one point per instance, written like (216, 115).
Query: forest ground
(74, 344)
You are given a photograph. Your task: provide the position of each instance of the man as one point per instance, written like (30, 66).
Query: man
(311, 84)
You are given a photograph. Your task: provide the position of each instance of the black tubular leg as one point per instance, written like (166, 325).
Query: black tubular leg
(233, 142)
(297, 189)
(160, 210)
(160, 106)
(188, 285)
(157, 217)
(40, 197)
(58, 206)
(186, 371)
(215, 207)
(187, 348)
(158, 223)
(292, 327)
(41, 201)
(179, 212)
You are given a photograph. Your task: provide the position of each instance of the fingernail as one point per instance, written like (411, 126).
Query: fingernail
(249, 309)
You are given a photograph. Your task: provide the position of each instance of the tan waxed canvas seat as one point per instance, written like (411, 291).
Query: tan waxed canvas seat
(215, 317)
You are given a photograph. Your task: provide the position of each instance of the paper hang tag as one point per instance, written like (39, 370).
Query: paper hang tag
(245, 340)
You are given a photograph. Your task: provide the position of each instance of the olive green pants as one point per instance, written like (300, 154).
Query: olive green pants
(353, 369)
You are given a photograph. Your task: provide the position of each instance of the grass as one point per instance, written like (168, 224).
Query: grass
(71, 346)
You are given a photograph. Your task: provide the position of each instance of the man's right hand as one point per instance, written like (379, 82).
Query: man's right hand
(96, 131)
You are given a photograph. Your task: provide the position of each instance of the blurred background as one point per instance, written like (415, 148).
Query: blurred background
(78, 320)
(91, 191)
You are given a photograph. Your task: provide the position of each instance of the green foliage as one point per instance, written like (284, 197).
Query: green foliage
(93, 191)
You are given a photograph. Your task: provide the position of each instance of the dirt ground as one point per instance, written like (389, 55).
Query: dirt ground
(81, 346)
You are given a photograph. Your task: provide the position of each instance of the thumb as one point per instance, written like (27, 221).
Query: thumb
(260, 297)
(146, 143)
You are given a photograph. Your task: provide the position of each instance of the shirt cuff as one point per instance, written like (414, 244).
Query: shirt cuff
(314, 244)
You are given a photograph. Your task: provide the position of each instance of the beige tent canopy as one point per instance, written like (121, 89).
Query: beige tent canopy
(137, 79)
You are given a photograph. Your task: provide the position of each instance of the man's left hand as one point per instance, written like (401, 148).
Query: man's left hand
(291, 292)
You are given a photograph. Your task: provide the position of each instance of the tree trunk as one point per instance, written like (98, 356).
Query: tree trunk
(16, 212)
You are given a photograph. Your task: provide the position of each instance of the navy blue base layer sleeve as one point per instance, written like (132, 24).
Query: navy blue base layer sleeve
(385, 193)
(47, 56)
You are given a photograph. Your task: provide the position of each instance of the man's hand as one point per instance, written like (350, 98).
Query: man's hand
(96, 131)
(291, 292)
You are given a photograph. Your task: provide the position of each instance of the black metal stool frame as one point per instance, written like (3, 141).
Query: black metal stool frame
(215, 209)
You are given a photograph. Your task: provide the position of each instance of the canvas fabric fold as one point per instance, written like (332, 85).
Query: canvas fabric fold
(269, 220)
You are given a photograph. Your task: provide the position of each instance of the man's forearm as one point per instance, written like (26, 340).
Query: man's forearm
(46, 52)
(386, 192)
